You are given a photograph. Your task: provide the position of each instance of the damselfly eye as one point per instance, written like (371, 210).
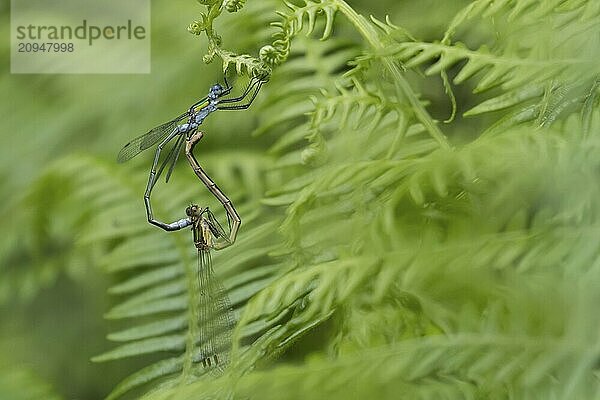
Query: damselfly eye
(191, 210)
(217, 89)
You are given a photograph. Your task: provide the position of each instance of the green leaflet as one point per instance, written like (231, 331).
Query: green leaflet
(144, 346)
(145, 375)
(156, 328)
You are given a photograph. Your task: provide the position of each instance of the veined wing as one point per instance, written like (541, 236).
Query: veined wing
(177, 149)
(171, 158)
(216, 318)
(216, 228)
(141, 143)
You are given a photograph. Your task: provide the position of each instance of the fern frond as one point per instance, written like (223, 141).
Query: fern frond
(447, 368)
(510, 72)
(530, 11)
(160, 269)
(532, 64)
(244, 63)
(293, 22)
(234, 5)
(308, 294)
(356, 102)
(425, 177)
(285, 113)
(474, 364)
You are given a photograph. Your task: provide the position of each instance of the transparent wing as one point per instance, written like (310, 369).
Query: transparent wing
(215, 227)
(141, 143)
(216, 317)
(178, 147)
(171, 158)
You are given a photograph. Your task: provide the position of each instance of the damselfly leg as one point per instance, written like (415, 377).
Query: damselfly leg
(252, 85)
(256, 85)
(152, 181)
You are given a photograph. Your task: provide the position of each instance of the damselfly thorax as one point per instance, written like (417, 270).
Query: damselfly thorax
(205, 227)
(199, 112)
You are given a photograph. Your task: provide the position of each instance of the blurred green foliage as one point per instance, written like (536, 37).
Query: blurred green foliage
(383, 253)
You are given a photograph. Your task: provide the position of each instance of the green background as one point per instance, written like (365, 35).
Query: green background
(53, 290)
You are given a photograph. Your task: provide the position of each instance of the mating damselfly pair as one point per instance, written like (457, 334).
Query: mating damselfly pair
(216, 315)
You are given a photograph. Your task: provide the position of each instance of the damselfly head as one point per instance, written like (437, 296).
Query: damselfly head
(193, 211)
(216, 91)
